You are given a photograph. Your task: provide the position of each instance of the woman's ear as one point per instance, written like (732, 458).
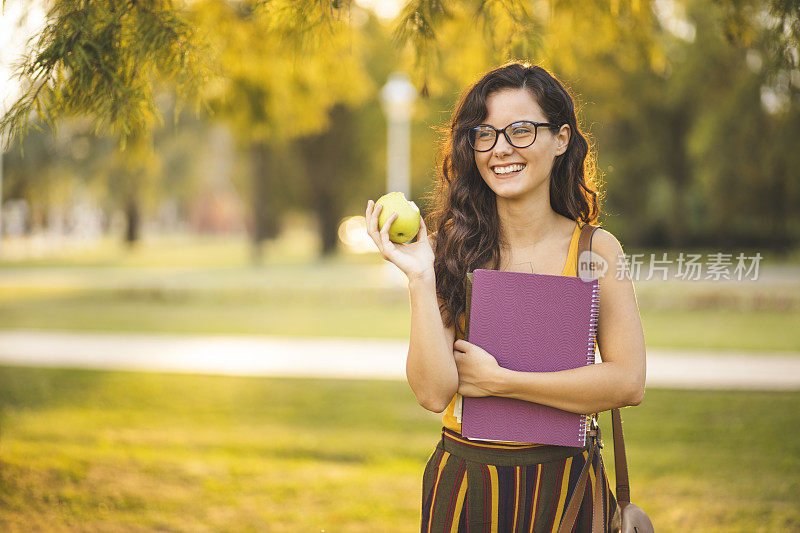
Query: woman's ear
(562, 139)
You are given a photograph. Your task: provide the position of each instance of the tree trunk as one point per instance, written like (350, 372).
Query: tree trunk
(329, 160)
(265, 207)
(327, 217)
(678, 171)
(780, 211)
(133, 220)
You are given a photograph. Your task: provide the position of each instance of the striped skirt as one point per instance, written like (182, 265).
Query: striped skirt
(476, 486)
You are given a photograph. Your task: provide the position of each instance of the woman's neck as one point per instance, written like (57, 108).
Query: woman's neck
(527, 222)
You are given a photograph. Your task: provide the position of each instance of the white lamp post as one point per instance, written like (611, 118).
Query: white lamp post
(398, 97)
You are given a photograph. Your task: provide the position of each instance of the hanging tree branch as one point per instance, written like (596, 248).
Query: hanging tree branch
(101, 58)
(104, 59)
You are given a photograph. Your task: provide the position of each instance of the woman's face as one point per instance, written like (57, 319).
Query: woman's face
(513, 172)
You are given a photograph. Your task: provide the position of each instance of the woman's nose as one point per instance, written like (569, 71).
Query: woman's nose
(502, 147)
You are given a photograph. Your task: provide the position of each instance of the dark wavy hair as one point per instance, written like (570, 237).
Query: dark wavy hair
(464, 217)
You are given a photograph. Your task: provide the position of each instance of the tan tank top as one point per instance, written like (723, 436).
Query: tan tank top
(449, 418)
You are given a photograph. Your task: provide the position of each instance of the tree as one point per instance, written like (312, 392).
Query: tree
(272, 86)
(107, 60)
(261, 64)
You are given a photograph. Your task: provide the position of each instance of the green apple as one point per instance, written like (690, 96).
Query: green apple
(406, 226)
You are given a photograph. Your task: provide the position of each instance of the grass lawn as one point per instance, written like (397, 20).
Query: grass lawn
(182, 284)
(103, 451)
(343, 312)
(722, 329)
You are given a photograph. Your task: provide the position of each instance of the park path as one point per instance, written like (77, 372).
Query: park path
(347, 358)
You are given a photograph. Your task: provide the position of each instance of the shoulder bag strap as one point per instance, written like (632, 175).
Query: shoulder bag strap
(620, 458)
(620, 461)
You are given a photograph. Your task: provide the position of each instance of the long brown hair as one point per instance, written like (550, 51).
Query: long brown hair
(464, 217)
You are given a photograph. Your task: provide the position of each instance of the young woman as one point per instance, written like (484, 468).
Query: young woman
(515, 190)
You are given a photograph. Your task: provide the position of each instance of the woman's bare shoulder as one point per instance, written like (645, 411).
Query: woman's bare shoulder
(605, 243)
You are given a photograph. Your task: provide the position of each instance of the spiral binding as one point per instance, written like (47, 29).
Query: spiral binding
(593, 314)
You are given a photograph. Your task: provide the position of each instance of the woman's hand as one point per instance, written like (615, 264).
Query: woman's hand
(414, 258)
(478, 371)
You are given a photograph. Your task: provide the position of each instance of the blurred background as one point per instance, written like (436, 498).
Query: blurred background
(180, 179)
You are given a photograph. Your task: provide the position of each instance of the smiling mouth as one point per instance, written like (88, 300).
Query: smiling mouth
(507, 170)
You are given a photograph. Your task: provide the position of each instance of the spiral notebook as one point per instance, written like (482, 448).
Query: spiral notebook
(529, 323)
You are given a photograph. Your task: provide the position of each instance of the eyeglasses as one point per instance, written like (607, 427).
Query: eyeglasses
(518, 134)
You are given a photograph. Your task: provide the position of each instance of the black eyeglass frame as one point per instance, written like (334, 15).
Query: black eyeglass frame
(504, 131)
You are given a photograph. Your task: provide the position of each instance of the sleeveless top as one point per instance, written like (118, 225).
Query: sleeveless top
(449, 419)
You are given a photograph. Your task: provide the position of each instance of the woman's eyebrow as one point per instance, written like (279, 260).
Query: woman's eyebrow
(490, 123)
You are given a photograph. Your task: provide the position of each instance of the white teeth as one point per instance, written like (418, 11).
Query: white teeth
(508, 169)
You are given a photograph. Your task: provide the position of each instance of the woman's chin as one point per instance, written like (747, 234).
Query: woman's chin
(513, 190)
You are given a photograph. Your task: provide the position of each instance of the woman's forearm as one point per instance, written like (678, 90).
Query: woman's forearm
(584, 390)
(430, 366)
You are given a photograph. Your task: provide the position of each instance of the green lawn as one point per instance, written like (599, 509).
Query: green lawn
(343, 312)
(722, 329)
(103, 451)
(207, 286)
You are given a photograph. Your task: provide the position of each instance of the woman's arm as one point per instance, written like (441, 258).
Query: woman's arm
(616, 382)
(430, 367)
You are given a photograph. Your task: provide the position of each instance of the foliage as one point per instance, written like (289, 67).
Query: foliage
(692, 107)
(106, 60)
(451, 43)
(53, 174)
(273, 82)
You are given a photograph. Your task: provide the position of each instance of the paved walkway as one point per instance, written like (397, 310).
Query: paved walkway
(347, 358)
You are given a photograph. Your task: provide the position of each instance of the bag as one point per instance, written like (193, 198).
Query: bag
(628, 518)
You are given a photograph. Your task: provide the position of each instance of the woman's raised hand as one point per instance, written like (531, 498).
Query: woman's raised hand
(414, 258)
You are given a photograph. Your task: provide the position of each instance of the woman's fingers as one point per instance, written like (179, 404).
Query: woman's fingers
(422, 236)
(385, 231)
(380, 235)
(372, 222)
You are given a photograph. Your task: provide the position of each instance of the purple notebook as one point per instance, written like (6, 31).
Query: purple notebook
(530, 323)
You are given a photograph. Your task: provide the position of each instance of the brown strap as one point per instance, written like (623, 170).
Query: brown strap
(620, 460)
(571, 513)
(584, 244)
(598, 513)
